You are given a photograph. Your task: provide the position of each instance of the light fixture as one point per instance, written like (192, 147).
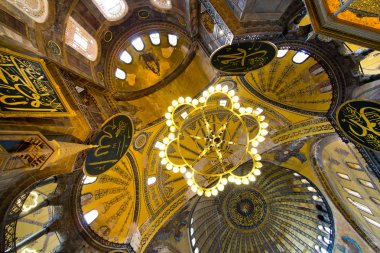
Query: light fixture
(210, 137)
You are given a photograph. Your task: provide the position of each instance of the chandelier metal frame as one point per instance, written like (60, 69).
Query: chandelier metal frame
(214, 140)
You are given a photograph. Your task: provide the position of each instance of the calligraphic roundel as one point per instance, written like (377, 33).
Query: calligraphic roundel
(112, 142)
(243, 57)
(360, 122)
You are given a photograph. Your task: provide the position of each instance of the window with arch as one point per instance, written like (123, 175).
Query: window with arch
(353, 166)
(366, 183)
(29, 230)
(162, 4)
(80, 40)
(138, 44)
(112, 10)
(35, 9)
(91, 216)
(173, 39)
(375, 223)
(300, 57)
(155, 38)
(344, 176)
(360, 206)
(352, 192)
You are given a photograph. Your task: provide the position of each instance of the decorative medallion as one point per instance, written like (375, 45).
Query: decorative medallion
(113, 142)
(107, 36)
(143, 14)
(242, 57)
(360, 122)
(244, 208)
(140, 141)
(27, 89)
(55, 48)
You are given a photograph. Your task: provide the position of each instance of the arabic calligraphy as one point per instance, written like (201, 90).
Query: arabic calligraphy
(360, 121)
(243, 57)
(26, 87)
(112, 143)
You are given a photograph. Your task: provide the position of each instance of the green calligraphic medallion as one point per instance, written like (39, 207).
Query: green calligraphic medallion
(243, 57)
(360, 122)
(113, 142)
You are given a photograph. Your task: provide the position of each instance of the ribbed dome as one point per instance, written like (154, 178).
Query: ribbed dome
(281, 212)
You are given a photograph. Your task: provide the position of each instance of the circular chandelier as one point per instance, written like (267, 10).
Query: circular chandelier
(210, 137)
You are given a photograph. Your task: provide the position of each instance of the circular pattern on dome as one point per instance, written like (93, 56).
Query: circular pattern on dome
(281, 212)
(245, 208)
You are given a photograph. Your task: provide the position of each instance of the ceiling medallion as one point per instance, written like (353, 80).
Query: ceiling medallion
(210, 137)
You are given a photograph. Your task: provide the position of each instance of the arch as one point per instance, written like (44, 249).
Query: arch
(80, 40)
(112, 10)
(35, 9)
(162, 4)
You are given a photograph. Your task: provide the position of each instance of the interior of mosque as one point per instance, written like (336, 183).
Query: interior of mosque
(70, 68)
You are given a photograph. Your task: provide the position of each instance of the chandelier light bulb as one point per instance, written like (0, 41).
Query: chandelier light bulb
(225, 88)
(188, 175)
(231, 179)
(231, 92)
(236, 105)
(168, 115)
(181, 100)
(170, 108)
(249, 110)
(214, 192)
(264, 132)
(166, 140)
(255, 143)
(207, 193)
(202, 100)
(190, 182)
(171, 136)
(258, 165)
(176, 169)
(257, 157)
(252, 178)
(195, 102)
(172, 129)
(218, 87)
(161, 154)
(238, 181)
(169, 166)
(174, 103)
(224, 181)
(205, 93)
(200, 192)
(261, 138)
(169, 122)
(259, 110)
(242, 110)
(235, 99)
(253, 151)
(164, 161)
(220, 187)
(261, 118)
(211, 89)
(182, 169)
(264, 125)
(194, 188)
(188, 100)
(256, 172)
(245, 181)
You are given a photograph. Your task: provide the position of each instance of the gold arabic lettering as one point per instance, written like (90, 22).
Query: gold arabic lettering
(241, 56)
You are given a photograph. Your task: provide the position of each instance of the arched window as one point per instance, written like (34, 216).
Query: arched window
(162, 4)
(91, 216)
(366, 183)
(35, 9)
(155, 38)
(375, 223)
(173, 40)
(360, 206)
(353, 166)
(138, 44)
(281, 53)
(300, 57)
(120, 74)
(151, 180)
(112, 10)
(89, 180)
(344, 176)
(352, 192)
(126, 57)
(79, 39)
